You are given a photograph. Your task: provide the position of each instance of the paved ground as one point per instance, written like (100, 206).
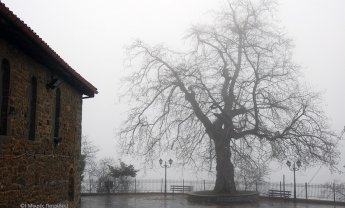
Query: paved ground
(178, 201)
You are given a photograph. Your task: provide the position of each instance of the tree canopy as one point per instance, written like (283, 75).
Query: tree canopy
(235, 96)
(123, 171)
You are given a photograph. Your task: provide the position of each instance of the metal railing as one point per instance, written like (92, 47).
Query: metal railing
(328, 192)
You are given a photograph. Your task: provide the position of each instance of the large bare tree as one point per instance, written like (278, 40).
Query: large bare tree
(234, 96)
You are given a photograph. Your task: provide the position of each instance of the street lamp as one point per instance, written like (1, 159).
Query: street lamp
(294, 169)
(165, 166)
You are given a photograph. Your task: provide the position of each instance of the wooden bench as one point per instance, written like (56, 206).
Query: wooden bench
(279, 193)
(180, 188)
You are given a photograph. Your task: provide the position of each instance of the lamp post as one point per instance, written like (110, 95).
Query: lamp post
(165, 166)
(294, 169)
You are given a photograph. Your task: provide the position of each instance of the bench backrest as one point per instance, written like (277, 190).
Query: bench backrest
(180, 188)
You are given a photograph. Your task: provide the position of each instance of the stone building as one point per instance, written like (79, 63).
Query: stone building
(40, 120)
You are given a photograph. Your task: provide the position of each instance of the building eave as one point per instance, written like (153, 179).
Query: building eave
(17, 32)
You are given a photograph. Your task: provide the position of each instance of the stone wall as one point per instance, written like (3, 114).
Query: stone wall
(38, 172)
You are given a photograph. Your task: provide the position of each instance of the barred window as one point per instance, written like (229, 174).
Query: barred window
(32, 109)
(4, 94)
(57, 113)
(71, 185)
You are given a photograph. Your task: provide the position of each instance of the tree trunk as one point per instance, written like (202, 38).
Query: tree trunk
(225, 182)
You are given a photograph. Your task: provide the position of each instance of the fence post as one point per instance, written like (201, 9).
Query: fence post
(283, 182)
(306, 191)
(334, 192)
(135, 185)
(256, 186)
(90, 184)
(204, 186)
(182, 185)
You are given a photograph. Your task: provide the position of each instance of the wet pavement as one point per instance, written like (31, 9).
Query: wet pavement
(179, 201)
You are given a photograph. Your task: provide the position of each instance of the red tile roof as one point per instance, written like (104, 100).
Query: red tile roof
(31, 41)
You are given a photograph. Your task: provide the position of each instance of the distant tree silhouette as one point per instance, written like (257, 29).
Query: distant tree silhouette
(87, 156)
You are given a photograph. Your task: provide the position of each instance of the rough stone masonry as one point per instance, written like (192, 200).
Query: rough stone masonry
(41, 112)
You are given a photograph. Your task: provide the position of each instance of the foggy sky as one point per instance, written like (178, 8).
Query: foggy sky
(91, 36)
